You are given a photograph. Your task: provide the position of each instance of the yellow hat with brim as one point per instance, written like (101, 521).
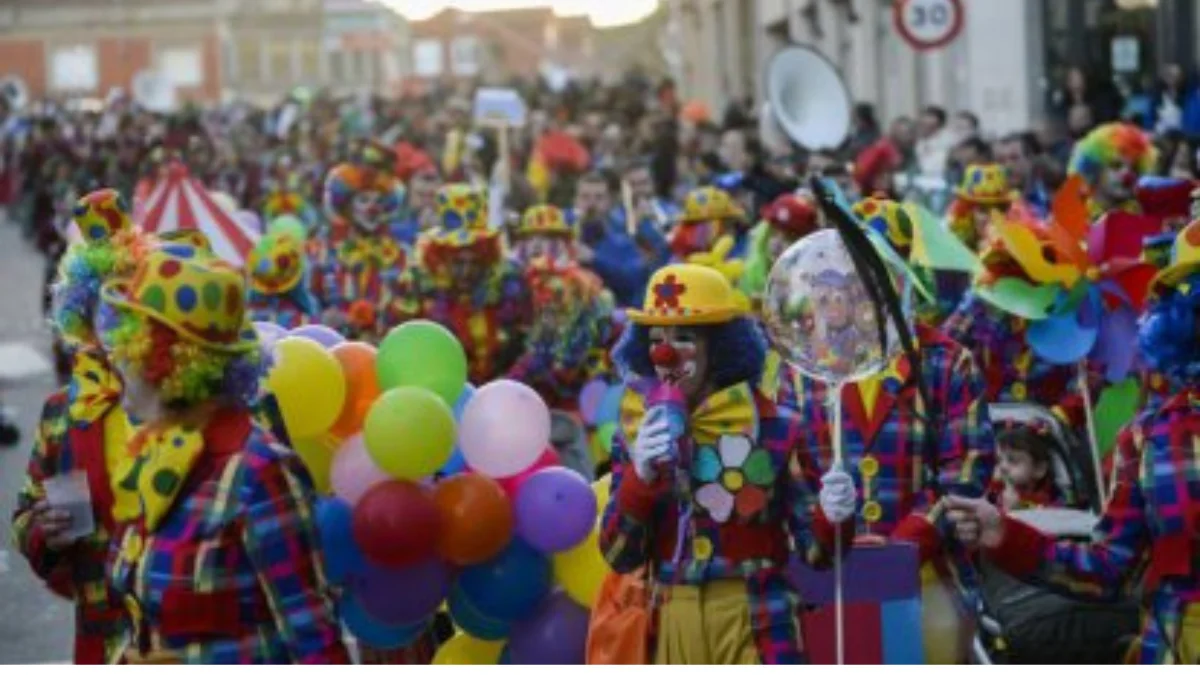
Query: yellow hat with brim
(462, 217)
(276, 264)
(545, 220)
(688, 295)
(200, 297)
(986, 184)
(709, 203)
(1185, 260)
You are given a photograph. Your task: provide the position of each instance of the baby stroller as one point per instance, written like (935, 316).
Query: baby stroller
(1022, 623)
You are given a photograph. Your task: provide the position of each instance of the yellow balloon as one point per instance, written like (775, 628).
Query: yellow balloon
(309, 385)
(945, 632)
(317, 455)
(466, 650)
(603, 491)
(581, 570)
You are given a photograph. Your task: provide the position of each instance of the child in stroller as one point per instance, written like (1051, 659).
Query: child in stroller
(1019, 623)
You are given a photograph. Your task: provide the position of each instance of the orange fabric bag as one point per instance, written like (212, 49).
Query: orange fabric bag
(622, 624)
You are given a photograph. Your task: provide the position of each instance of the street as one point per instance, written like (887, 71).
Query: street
(35, 625)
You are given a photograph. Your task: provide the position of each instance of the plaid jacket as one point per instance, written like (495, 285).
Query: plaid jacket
(1152, 523)
(79, 572)
(641, 525)
(884, 452)
(233, 574)
(371, 299)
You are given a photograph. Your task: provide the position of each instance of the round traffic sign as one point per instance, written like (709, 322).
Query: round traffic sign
(928, 24)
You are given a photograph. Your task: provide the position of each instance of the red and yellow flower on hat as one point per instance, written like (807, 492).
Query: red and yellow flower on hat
(986, 184)
(688, 295)
(545, 220)
(276, 264)
(710, 203)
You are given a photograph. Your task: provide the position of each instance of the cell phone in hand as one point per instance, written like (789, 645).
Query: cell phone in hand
(69, 492)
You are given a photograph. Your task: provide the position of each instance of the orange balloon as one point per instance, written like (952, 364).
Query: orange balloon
(358, 364)
(475, 518)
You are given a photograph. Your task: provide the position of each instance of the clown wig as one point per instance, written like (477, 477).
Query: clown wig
(737, 352)
(76, 291)
(1168, 337)
(184, 373)
(1108, 143)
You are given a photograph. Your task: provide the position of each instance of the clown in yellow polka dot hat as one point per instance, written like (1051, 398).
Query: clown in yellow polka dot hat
(276, 268)
(984, 188)
(709, 213)
(461, 235)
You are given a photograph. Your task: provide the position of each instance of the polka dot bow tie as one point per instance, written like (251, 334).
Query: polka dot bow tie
(164, 458)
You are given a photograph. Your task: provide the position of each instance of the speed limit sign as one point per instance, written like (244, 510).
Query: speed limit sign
(928, 24)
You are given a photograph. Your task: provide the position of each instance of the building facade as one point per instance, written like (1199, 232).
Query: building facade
(1005, 65)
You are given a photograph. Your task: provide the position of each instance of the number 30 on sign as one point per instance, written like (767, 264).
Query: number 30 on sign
(928, 24)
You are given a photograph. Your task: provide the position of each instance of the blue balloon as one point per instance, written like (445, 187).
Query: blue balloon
(456, 464)
(334, 526)
(375, 633)
(468, 393)
(510, 586)
(609, 409)
(471, 620)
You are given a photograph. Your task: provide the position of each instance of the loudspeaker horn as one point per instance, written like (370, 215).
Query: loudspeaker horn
(808, 98)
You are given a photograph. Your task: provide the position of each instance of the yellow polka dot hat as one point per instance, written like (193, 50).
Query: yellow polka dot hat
(688, 295)
(887, 217)
(194, 239)
(545, 220)
(462, 216)
(197, 295)
(276, 263)
(986, 184)
(710, 203)
(100, 215)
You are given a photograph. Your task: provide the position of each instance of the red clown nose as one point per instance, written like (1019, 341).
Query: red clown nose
(664, 356)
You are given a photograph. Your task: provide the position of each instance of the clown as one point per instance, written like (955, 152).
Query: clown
(1110, 159)
(276, 267)
(1145, 540)
(358, 265)
(219, 560)
(464, 282)
(573, 311)
(285, 195)
(82, 429)
(784, 221)
(984, 190)
(715, 501)
(708, 214)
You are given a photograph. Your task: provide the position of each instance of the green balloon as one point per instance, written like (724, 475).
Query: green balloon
(409, 433)
(288, 224)
(422, 354)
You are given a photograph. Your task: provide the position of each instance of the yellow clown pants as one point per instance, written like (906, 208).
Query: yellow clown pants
(706, 625)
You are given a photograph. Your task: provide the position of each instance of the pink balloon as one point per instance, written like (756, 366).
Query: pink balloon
(504, 429)
(512, 484)
(353, 472)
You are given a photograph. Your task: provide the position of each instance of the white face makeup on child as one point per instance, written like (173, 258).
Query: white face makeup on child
(680, 356)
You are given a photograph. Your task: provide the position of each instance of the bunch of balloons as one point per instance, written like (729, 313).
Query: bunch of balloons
(600, 409)
(437, 494)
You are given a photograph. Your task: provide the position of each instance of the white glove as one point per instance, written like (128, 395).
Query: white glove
(653, 443)
(837, 496)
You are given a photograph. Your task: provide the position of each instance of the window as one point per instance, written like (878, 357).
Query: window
(280, 67)
(74, 68)
(182, 66)
(464, 55)
(427, 57)
(310, 61)
(249, 59)
(338, 66)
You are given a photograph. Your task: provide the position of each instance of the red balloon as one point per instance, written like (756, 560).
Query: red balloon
(396, 524)
(512, 484)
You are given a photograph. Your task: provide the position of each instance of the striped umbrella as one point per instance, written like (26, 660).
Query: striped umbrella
(180, 202)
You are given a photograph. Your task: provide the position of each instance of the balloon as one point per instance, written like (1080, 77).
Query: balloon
(409, 432)
(509, 586)
(581, 570)
(308, 385)
(512, 484)
(590, 398)
(490, 440)
(609, 408)
(476, 519)
(269, 333)
(357, 360)
(464, 397)
(602, 488)
(945, 631)
(453, 466)
(405, 595)
(290, 224)
(250, 221)
(465, 649)
(375, 633)
(335, 521)
(555, 635)
(353, 471)
(818, 314)
(602, 439)
(396, 524)
(556, 510)
(423, 354)
(317, 455)
(322, 335)
(473, 622)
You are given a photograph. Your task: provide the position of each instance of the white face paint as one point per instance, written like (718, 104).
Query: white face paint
(366, 210)
(685, 363)
(140, 399)
(1118, 180)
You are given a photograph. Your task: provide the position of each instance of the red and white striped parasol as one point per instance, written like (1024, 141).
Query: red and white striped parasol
(180, 202)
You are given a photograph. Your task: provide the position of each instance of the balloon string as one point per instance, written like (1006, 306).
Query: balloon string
(838, 602)
(1090, 419)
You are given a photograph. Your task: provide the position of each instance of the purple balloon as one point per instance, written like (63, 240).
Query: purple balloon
(322, 335)
(556, 635)
(556, 510)
(269, 333)
(402, 595)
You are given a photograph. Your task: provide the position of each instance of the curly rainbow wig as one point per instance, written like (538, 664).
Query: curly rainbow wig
(1108, 143)
(184, 373)
(1167, 335)
(83, 269)
(737, 352)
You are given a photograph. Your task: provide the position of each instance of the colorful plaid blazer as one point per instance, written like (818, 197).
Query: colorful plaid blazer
(1152, 523)
(233, 574)
(884, 452)
(79, 572)
(368, 292)
(773, 492)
